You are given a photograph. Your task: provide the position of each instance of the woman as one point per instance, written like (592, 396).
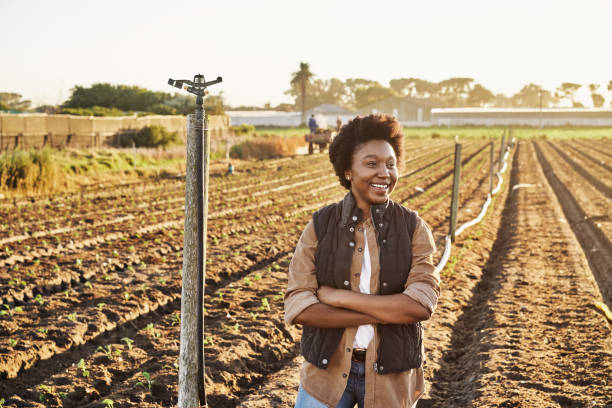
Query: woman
(361, 279)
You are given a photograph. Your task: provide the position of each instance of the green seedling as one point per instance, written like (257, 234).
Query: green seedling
(126, 296)
(43, 331)
(10, 312)
(72, 317)
(162, 281)
(208, 341)
(39, 299)
(151, 329)
(130, 268)
(176, 319)
(131, 248)
(79, 262)
(66, 293)
(147, 384)
(115, 253)
(253, 316)
(36, 261)
(264, 304)
(12, 343)
(128, 341)
(108, 351)
(107, 277)
(88, 285)
(101, 305)
(46, 392)
(2, 402)
(257, 277)
(81, 365)
(62, 395)
(108, 403)
(247, 281)
(31, 274)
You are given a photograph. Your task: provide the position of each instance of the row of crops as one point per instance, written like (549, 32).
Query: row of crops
(90, 281)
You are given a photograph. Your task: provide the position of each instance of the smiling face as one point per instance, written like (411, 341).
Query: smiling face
(373, 173)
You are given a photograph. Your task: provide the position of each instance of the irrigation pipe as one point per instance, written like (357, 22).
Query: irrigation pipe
(447, 245)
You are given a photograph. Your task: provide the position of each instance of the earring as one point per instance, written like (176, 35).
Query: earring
(348, 178)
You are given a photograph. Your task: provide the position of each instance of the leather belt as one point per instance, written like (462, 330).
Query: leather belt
(359, 354)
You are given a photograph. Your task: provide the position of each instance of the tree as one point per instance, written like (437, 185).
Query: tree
(567, 90)
(414, 87)
(122, 97)
(598, 99)
(533, 96)
(300, 79)
(13, 101)
(370, 95)
(479, 96)
(454, 91)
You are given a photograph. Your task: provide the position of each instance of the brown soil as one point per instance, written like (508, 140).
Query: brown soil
(516, 307)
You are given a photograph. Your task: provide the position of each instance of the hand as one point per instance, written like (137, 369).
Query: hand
(329, 295)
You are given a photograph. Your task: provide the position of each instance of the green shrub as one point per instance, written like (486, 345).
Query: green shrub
(150, 136)
(243, 129)
(33, 170)
(93, 111)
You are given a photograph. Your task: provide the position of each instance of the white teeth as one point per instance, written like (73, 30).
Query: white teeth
(380, 185)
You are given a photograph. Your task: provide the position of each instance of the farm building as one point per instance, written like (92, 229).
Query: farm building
(409, 111)
(326, 115)
(522, 116)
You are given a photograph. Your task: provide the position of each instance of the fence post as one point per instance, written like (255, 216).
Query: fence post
(501, 150)
(492, 170)
(455, 198)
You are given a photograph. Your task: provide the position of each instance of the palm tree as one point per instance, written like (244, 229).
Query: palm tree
(300, 79)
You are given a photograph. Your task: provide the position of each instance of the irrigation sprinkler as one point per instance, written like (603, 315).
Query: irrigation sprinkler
(192, 391)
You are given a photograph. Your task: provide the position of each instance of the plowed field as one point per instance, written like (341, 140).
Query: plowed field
(90, 282)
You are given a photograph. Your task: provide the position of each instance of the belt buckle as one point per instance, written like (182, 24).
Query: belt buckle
(359, 354)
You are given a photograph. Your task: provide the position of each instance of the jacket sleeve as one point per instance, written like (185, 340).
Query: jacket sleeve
(302, 283)
(423, 283)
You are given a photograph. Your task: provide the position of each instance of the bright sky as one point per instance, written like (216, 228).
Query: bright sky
(50, 46)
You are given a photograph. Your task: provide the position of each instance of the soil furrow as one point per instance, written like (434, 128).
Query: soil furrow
(595, 244)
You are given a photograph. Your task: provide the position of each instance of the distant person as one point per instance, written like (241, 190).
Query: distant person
(362, 279)
(338, 124)
(312, 124)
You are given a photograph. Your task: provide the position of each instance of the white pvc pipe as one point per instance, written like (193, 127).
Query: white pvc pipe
(447, 245)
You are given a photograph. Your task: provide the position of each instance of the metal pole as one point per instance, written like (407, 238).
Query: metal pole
(455, 198)
(501, 150)
(492, 170)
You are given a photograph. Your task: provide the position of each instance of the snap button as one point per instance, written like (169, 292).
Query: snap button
(354, 218)
(378, 210)
(352, 229)
(381, 368)
(384, 241)
(324, 361)
(384, 283)
(380, 225)
(346, 283)
(351, 244)
(359, 249)
(344, 375)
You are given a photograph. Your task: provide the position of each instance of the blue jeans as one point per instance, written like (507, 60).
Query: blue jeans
(353, 393)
